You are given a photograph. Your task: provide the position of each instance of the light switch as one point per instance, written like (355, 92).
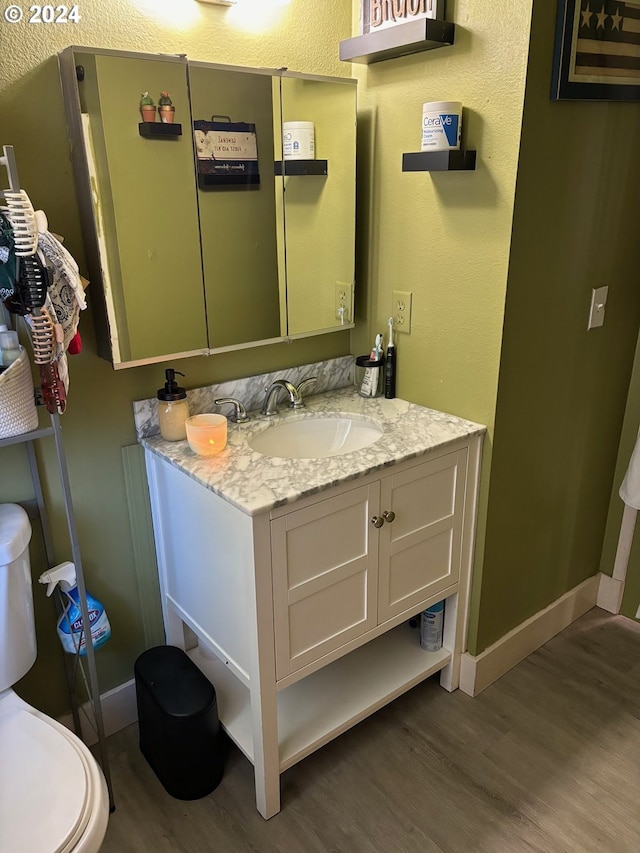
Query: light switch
(598, 305)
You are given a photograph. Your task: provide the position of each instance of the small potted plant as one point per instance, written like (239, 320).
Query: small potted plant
(166, 108)
(147, 107)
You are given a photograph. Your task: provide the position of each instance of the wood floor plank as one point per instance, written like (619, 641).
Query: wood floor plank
(546, 760)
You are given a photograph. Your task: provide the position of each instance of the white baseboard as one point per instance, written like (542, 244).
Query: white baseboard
(610, 593)
(119, 710)
(479, 672)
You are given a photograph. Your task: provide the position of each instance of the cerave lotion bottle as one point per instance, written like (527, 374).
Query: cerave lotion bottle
(441, 125)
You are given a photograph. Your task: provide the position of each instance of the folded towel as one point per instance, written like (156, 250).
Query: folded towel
(630, 488)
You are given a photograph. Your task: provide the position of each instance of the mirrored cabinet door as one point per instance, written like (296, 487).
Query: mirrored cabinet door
(319, 203)
(140, 211)
(233, 120)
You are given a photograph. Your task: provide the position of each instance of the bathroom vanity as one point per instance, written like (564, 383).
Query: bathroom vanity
(290, 582)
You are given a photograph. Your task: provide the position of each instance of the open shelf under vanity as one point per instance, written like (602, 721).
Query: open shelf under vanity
(326, 703)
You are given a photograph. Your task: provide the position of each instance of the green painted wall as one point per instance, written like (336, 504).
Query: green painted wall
(562, 389)
(99, 422)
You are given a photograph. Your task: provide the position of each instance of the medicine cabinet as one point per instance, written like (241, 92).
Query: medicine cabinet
(199, 253)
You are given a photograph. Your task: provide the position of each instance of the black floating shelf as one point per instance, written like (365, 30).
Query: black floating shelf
(439, 161)
(154, 129)
(209, 182)
(302, 167)
(401, 40)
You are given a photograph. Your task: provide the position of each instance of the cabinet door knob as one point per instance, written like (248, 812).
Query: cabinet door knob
(388, 515)
(377, 521)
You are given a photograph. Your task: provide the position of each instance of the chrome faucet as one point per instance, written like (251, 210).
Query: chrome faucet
(239, 414)
(270, 405)
(304, 384)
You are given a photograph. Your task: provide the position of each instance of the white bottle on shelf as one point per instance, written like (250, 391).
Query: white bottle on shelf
(431, 627)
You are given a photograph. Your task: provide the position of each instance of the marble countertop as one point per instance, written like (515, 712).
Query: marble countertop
(255, 483)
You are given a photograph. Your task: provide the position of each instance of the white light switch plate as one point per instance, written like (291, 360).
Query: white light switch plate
(598, 305)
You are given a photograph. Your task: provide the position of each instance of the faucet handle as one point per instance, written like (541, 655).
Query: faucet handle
(304, 384)
(239, 414)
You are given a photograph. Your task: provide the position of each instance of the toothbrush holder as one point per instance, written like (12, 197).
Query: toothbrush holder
(369, 376)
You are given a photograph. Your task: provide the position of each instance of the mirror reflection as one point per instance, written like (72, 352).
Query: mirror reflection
(234, 112)
(319, 210)
(138, 206)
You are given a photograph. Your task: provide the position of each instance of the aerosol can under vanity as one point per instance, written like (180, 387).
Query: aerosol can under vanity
(431, 627)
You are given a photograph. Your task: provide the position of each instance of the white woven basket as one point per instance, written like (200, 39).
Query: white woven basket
(18, 411)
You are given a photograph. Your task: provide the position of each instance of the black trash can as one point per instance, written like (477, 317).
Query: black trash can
(180, 733)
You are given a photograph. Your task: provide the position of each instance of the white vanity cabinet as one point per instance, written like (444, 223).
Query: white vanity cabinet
(299, 614)
(350, 562)
(325, 570)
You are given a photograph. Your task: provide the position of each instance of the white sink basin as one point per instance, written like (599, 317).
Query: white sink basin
(315, 438)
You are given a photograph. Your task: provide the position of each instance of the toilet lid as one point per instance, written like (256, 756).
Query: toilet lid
(45, 800)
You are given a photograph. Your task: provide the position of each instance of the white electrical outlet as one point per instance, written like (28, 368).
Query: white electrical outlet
(598, 305)
(402, 311)
(344, 301)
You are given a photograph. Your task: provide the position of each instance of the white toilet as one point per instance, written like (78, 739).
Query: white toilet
(53, 796)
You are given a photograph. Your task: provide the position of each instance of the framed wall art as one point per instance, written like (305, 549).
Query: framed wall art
(597, 51)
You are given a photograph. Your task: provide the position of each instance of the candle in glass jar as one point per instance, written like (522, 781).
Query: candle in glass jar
(206, 434)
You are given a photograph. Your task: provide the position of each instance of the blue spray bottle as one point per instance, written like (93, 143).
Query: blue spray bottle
(70, 622)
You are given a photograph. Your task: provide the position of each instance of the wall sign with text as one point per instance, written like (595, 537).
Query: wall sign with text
(381, 14)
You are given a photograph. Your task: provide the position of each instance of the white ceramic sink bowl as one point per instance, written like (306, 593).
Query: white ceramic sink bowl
(316, 438)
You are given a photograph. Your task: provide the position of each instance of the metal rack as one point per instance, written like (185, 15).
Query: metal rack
(73, 666)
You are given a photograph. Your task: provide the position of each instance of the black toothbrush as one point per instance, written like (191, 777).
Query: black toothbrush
(390, 366)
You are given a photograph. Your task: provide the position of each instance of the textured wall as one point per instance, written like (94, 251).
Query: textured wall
(302, 36)
(445, 236)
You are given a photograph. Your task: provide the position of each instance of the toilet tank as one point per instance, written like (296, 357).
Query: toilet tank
(17, 623)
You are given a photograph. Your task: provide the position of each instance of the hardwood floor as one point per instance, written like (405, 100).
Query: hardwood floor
(546, 759)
